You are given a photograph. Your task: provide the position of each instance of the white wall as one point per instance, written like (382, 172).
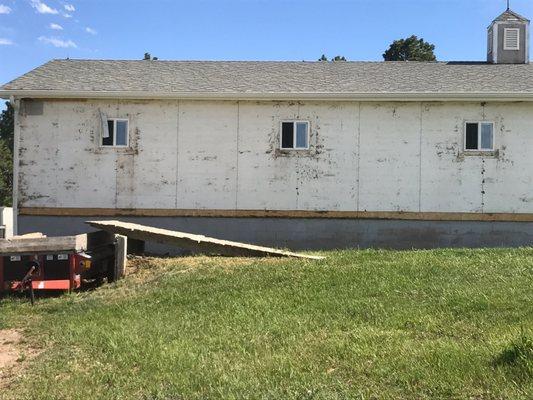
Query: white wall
(400, 156)
(6, 222)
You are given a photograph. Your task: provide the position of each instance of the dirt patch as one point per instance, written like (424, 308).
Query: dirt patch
(13, 354)
(9, 352)
(142, 268)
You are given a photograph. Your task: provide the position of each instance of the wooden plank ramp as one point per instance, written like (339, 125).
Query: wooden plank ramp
(192, 242)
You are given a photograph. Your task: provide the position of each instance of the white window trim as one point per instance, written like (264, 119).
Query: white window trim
(294, 121)
(505, 31)
(115, 120)
(479, 149)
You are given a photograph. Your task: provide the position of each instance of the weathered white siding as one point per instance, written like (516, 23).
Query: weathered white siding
(225, 155)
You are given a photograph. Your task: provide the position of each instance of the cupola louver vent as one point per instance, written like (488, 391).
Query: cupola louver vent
(511, 38)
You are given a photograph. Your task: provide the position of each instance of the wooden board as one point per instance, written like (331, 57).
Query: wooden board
(32, 235)
(195, 243)
(121, 251)
(36, 245)
(387, 215)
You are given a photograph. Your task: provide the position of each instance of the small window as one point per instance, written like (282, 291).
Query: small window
(295, 135)
(117, 130)
(479, 136)
(511, 39)
(490, 39)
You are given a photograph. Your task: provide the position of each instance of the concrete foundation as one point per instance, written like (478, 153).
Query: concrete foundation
(315, 234)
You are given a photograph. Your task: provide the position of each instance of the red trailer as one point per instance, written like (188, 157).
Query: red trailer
(60, 263)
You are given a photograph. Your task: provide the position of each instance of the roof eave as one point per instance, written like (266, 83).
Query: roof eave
(377, 96)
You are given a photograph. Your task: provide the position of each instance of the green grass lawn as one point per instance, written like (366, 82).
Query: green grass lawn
(358, 325)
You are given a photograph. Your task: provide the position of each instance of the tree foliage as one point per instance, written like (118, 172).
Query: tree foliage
(410, 49)
(6, 155)
(336, 58)
(148, 56)
(7, 125)
(6, 175)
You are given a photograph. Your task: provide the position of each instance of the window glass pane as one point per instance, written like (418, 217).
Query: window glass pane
(471, 136)
(301, 135)
(122, 133)
(108, 141)
(486, 136)
(287, 135)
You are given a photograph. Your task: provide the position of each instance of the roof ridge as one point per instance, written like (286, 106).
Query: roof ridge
(251, 61)
(511, 12)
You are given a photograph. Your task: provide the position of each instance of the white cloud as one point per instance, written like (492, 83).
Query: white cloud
(56, 27)
(69, 7)
(91, 31)
(4, 9)
(43, 8)
(57, 42)
(66, 15)
(5, 42)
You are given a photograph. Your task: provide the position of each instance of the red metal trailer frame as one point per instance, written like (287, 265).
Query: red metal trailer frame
(60, 263)
(40, 279)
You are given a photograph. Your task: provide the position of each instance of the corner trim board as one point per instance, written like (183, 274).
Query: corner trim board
(209, 213)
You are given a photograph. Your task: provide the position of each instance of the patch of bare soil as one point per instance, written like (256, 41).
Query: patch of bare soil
(13, 355)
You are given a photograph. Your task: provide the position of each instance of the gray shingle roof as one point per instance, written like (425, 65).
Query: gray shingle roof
(510, 15)
(265, 77)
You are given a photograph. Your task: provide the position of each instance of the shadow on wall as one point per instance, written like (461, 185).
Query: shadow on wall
(314, 234)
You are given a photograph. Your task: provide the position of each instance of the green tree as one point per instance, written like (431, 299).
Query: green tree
(410, 49)
(6, 155)
(7, 125)
(148, 56)
(336, 58)
(6, 175)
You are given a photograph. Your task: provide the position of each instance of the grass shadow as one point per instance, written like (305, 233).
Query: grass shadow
(517, 357)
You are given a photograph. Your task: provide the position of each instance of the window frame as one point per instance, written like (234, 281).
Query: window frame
(121, 146)
(479, 149)
(294, 134)
(505, 47)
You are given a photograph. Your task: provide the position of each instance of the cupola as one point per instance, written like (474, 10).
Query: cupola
(508, 39)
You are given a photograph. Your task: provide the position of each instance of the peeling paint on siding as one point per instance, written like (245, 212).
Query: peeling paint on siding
(389, 156)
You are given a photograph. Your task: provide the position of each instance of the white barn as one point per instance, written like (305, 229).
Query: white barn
(299, 154)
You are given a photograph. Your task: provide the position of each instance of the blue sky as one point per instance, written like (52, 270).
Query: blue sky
(34, 31)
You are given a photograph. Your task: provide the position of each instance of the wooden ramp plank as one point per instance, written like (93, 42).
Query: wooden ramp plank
(195, 243)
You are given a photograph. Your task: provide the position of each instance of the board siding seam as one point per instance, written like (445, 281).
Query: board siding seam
(297, 159)
(237, 160)
(116, 179)
(221, 213)
(420, 161)
(116, 154)
(177, 154)
(482, 184)
(358, 160)
(483, 114)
